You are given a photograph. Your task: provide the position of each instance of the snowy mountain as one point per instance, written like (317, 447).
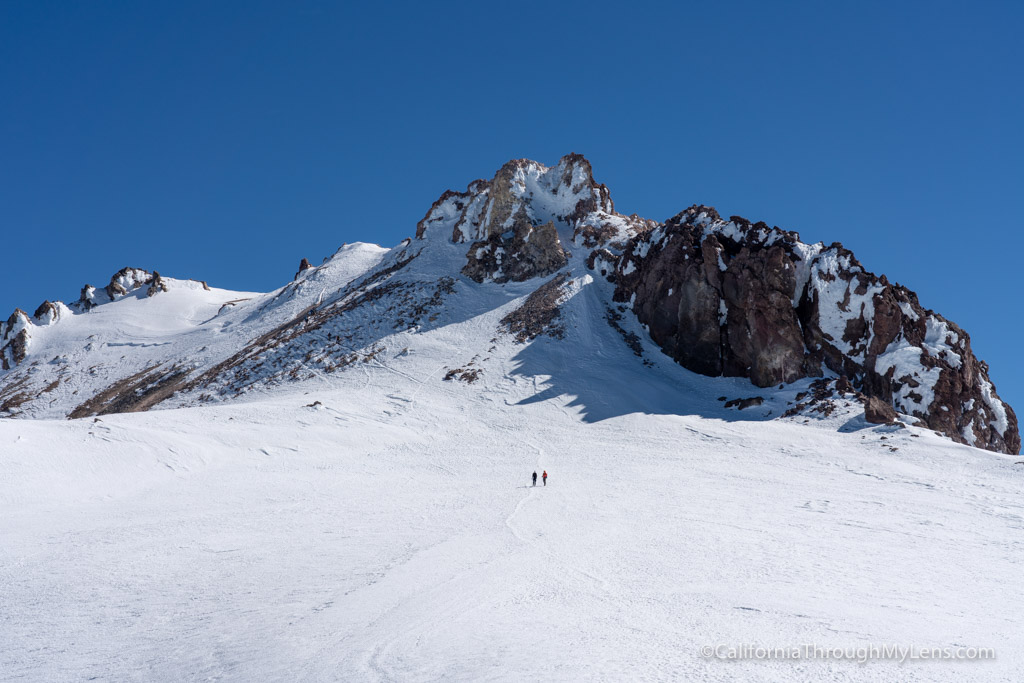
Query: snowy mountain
(751, 441)
(534, 251)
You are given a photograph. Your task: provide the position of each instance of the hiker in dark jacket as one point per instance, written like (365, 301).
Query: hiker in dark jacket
(534, 478)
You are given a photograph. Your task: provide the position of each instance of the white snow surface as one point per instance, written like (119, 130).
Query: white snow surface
(185, 325)
(390, 533)
(378, 524)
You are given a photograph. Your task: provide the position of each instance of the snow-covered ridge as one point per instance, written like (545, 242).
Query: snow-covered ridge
(144, 327)
(720, 297)
(336, 483)
(17, 332)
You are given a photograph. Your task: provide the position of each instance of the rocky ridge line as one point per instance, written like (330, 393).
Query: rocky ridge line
(16, 333)
(732, 297)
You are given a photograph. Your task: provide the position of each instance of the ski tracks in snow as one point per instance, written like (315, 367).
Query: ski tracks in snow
(530, 496)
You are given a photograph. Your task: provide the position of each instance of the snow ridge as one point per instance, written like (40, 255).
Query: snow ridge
(721, 297)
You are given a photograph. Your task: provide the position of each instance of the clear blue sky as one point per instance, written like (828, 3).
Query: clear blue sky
(226, 140)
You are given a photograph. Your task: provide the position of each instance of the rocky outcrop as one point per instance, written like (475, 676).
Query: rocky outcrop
(716, 305)
(741, 299)
(134, 394)
(877, 411)
(525, 252)
(731, 297)
(125, 280)
(721, 297)
(512, 221)
(156, 285)
(16, 332)
(87, 299)
(14, 339)
(121, 284)
(744, 403)
(49, 312)
(540, 313)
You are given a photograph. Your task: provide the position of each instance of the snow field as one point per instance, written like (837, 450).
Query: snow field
(391, 534)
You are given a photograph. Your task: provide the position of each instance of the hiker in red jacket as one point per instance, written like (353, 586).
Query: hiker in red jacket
(545, 476)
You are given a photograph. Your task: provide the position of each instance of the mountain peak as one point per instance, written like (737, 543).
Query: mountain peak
(522, 190)
(537, 248)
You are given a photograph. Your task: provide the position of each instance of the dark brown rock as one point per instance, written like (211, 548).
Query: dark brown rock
(115, 289)
(529, 251)
(157, 285)
(539, 314)
(719, 297)
(877, 411)
(304, 265)
(47, 311)
(125, 280)
(764, 337)
(13, 341)
(742, 403)
(85, 299)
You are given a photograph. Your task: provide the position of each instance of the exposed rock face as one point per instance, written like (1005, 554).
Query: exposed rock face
(134, 394)
(157, 285)
(715, 317)
(121, 283)
(512, 221)
(539, 314)
(731, 297)
(125, 280)
(744, 403)
(721, 297)
(741, 299)
(524, 252)
(14, 339)
(304, 265)
(87, 299)
(877, 411)
(49, 312)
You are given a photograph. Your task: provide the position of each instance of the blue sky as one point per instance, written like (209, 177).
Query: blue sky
(225, 141)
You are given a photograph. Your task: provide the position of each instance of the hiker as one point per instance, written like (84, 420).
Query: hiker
(545, 477)
(534, 478)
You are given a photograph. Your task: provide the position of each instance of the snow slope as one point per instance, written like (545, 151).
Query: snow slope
(189, 326)
(145, 342)
(340, 492)
(389, 534)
